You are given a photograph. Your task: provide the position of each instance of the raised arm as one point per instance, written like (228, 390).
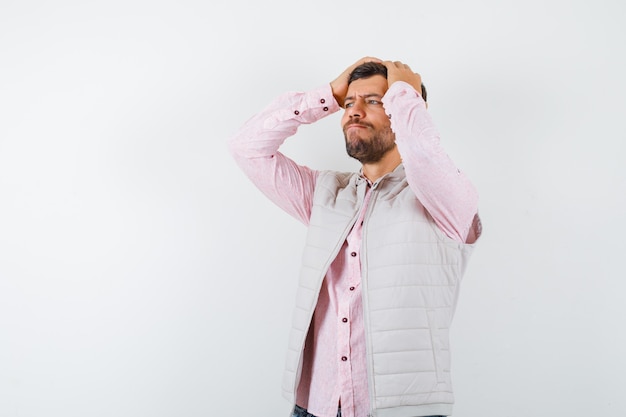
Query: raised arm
(255, 149)
(443, 189)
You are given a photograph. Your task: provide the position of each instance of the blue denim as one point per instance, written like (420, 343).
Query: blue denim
(301, 412)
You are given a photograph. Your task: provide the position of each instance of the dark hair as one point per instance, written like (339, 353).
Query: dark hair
(369, 69)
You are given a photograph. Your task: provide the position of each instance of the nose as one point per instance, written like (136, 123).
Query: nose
(356, 110)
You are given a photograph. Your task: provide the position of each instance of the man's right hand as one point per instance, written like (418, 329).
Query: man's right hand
(340, 84)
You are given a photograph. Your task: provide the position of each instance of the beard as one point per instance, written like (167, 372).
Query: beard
(368, 145)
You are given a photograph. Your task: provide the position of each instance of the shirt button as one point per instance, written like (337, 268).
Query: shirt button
(296, 112)
(344, 358)
(345, 320)
(353, 254)
(322, 101)
(351, 288)
(325, 109)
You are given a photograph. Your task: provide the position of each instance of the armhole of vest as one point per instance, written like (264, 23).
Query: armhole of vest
(336, 175)
(441, 235)
(321, 179)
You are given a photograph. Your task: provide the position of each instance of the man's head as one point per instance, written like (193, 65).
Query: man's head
(366, 126)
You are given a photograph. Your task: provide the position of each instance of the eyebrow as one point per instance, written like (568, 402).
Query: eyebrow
(364, 96)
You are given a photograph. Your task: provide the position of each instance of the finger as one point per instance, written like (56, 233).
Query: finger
(401, 65)
(367, 59)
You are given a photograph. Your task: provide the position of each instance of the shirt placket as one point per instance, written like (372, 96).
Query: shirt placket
(352, 294)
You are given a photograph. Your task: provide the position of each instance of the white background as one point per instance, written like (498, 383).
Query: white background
(142, 275)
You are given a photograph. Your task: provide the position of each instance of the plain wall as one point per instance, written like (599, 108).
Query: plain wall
(141, 274)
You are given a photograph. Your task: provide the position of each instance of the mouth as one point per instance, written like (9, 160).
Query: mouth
(355, 125)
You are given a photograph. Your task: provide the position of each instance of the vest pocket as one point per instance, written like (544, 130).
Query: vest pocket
(436, 344)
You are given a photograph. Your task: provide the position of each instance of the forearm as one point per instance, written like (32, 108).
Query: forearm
(445, 191)
(263, 134)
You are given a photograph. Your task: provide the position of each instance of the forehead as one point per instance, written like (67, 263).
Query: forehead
(376, 84)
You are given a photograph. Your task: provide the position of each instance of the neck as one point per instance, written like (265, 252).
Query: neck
(389, 162)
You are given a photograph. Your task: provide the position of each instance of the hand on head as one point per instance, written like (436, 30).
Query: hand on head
(396, 71)
(340, 84)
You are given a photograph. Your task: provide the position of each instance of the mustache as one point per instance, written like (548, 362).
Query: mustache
(356, 122)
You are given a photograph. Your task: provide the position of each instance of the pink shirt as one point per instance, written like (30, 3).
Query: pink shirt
(334, 366)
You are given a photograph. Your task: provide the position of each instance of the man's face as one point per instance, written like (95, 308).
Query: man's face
(366, 126)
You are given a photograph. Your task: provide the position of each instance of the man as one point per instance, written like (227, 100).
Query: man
(386, 247)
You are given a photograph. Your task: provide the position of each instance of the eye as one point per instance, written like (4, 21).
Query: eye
(346, 105)
(374, 102)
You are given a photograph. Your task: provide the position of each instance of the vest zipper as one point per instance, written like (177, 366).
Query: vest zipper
(364, 300)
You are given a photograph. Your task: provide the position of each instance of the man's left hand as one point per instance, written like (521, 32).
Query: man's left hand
(398, 71)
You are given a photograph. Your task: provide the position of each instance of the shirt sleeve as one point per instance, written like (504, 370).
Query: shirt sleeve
(448, 195)
(255, 149)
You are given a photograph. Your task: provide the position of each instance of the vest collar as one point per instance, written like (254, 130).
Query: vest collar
(396, 175)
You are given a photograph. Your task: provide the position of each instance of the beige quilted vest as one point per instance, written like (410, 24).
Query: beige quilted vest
(411, 273)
